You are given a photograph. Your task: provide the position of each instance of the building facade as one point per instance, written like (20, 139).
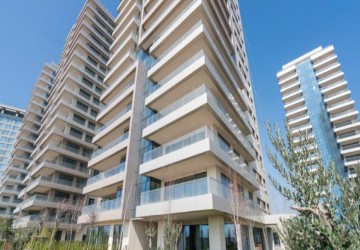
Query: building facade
(57, 166)
(318, 102)
(10, 121)
(16, 170)
(178, 117)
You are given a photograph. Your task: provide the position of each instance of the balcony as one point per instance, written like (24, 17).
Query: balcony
(114, 122)
(39, 201)
(43, 184)
(108, 210)
(109, 153)
(292, 95)
(199, 107)
(344, 116)
(47, 167)
(350, 149)
(106, 182)
(195, 151)
(194, 72)
(34, 220)
(204, 194)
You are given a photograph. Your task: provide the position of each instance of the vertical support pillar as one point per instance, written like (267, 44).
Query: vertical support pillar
(63, 235)
(217, 232)
(160, 234)
(251, 238)
(111, 237)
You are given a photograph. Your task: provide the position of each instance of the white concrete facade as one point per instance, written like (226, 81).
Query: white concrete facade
(178, 113)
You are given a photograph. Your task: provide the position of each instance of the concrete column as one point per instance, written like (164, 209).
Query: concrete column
(217, 233)
(270, 238)
(111, 237)
(214, 172)
(63, 235)
(160, 235)
(251, 238)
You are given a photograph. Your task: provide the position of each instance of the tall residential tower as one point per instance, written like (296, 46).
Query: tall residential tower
(10, 120)
(317, 101)
(178, 114)
(63, 146)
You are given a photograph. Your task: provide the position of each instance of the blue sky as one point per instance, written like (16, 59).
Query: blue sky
(33, 32)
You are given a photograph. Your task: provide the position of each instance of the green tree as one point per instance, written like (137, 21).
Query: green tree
(327, 203)
(5, 228)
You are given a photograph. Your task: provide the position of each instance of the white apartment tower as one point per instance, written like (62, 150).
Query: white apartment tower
(10, 120)
(178, 113)
(317, 101)
(58, 165)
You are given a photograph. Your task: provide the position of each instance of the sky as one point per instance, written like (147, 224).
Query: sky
(33, 32)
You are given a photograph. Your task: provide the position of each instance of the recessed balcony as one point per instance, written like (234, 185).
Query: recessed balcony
(43, 184)
(204, 194)
(106, 182)
(197, 150)
(340, 107)
(109, 154)
(196, 109)
(108, 210)
(350, 149)
(344, 116)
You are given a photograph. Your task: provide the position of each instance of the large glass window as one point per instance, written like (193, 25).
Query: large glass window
(194, 237)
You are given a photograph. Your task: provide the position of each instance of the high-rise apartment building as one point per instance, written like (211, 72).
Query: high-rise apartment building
(178, 114)
(63, 146)
(10, 120)
(318, 102)
(16, 170)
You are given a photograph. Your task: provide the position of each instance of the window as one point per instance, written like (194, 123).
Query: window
(79, 119)
(76, 133)
(81, 106)
(90, 71)
(250, 195)
(87, 82)
(94, 113)
(91, 60)
(91, 125)
(84, 94)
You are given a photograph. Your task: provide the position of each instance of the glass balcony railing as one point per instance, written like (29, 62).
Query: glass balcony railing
(121, 113)
(193, 188)
(298, 117)
(111, 144)
(215, 104)
(342, 113)
(352, 158)
(339, 103)
(355, 145)
(113, 171)
(184, 141)
(102, 106)
(51, 179)
(343, 124)
(219, 147)
(106, 205)
(347, 135)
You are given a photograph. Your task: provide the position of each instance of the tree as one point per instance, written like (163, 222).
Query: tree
(150, 233)
(172, 230)
(242, 211)
(92, 219)
(5, 228)
(327, 203)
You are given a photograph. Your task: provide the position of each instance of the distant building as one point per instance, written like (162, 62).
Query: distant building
(10, 121)
(317, 101)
